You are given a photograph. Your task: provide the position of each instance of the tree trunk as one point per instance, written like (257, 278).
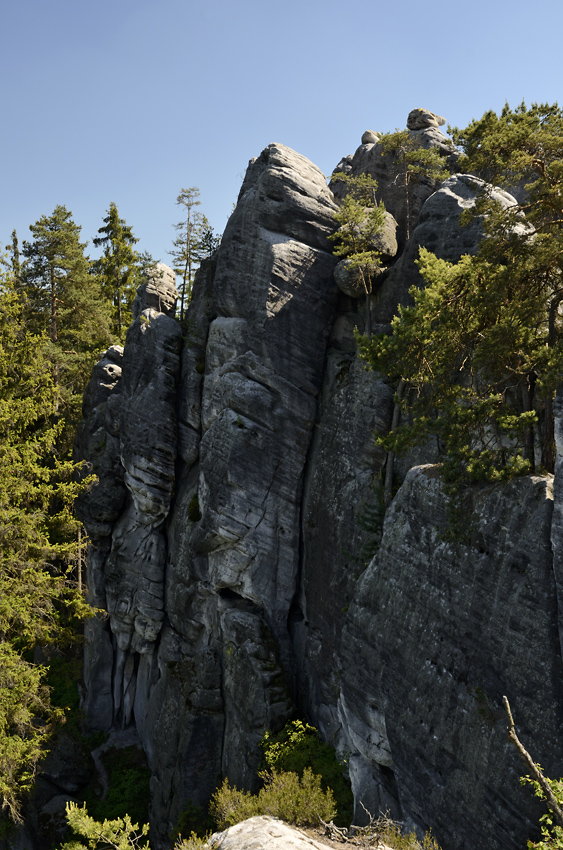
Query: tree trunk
(527, 396)
(54, 334)
(390, 463)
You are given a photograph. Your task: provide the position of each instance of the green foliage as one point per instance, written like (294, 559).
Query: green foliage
(38, 602)
(481, 349)
(464, 348)
(552, 833)
(417, 163)
(62, 300)
(128, 781)
(120, 834)
(195, 241)
(360, 218)
(299, 747)
(193, 820)
(285, 795)
(194, 513)
(194, 842)
(118, 267)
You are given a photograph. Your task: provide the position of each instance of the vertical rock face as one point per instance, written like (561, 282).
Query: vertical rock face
(431, 648)
(234, 517)
(128, 438)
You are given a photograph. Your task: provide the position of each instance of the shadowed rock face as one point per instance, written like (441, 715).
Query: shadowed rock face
(470, 623)
(231, 528)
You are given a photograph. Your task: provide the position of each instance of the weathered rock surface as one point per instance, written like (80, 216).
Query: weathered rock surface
(429, 650)
(263, 833)
(440, 231)
(387, 170)
(235, 514)
(420, 119)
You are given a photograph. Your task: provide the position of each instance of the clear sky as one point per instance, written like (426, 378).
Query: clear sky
(131, 100)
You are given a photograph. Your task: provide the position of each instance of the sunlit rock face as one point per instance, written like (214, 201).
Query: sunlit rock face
(235, 515)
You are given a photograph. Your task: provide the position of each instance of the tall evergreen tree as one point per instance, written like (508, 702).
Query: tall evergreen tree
(63, 300)
(118, 267)
(196, 240)
(37, 534)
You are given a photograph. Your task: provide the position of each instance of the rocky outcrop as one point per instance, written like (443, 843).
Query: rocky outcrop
(387, 169)
(264, 833)
(236, 511)
(429, 650)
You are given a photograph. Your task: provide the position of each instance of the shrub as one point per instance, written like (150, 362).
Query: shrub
(193, 821)
(194, 842)
(121, 833)
(299, 746)
(128, 792)
(285, 795)
(194, 513)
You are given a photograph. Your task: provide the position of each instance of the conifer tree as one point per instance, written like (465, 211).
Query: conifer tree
(195, 241)
(37, 534)
(482, 347)
(416, 163)
(118, 267)
(360, 218)
(63, 300)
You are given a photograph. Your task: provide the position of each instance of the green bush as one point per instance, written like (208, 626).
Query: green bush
(193, 821)
(298, 746)
(128, 792)
(121, 833)
(194, 513)
(285, 795)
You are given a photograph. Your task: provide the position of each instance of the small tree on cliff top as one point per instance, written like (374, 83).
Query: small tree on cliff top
(416, 163)
(360, 218)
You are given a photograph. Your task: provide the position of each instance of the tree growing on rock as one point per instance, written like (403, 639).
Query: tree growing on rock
(481, 349)
(360, 219)
(117, 267)
(415, 162)
(195, 241)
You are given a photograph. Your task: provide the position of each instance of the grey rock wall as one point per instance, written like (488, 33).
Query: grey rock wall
(430, 648)
(232, 521)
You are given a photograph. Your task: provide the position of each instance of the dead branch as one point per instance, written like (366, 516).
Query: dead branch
(534, 769)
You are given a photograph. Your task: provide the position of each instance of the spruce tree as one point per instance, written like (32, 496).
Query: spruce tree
(63, 300)
(118, 267)
(37, 545)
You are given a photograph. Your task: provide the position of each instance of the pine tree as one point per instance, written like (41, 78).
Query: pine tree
(118, 267)
(37, 534)
(195, 241)
(360, 218)
(63, 300)
(482, 347)
(416, 163)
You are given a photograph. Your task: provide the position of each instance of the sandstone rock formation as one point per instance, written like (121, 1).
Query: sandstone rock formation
(264, 833)
(236, 513)
(421, 119)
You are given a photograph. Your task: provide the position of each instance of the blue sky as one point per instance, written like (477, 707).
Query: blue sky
(131, 100)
